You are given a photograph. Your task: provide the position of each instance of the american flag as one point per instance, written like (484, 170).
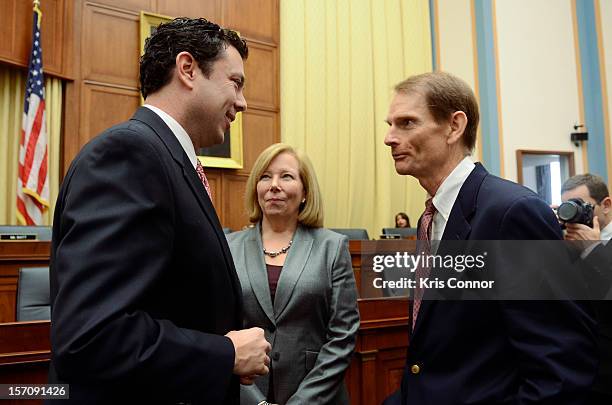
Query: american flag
(33, 182)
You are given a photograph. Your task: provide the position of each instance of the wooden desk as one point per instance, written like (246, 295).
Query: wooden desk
(25, 353)
(380, 354)
(361, 256)
(375, 371)
(13, 256)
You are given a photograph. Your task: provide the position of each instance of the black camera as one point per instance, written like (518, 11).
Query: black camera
(576, 211)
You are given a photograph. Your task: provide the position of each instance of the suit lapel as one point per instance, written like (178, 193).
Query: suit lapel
(258, 274)
(457, 227)
(151, 119)
(292, 269)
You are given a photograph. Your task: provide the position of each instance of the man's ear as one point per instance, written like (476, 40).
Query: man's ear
(186, 67)
(606, 204)
(458, 122)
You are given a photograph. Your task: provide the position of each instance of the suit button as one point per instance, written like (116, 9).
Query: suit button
(275, 356)
(415, 369)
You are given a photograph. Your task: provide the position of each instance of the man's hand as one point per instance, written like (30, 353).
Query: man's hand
(583, 232)
(251, 349)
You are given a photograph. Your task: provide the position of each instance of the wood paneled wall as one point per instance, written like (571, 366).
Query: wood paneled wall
(16, 34)
(95, 44)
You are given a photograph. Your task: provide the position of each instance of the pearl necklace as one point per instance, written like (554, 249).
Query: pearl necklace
(279, 252)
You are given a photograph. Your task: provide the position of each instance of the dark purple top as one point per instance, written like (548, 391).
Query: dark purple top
(273, 276)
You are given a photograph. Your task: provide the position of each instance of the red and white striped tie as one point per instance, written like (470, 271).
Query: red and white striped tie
(424, 234)
(203, 179)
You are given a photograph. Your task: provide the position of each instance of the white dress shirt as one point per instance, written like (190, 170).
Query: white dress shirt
(606, 233)
(604, 237)
(179, 132)
(447, 194)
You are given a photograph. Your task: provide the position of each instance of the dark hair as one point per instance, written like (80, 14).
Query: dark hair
(204, 40)
(402, 215)
(596, 185)
(444, 95)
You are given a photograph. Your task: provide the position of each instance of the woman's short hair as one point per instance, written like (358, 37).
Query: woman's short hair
(311, 211)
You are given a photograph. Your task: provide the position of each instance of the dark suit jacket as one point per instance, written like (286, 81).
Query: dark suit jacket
(597, 270)
(142, 279)
(499, 352)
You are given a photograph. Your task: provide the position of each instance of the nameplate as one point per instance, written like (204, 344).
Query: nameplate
(18, 236)
(391, 236)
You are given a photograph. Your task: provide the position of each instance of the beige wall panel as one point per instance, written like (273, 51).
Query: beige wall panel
(209, 9)
(260, 129)
(104, 107)
(538, 78)
(234, 214)
(457, 44)
(111, 46)
(256, 19)
(455, 39)
(261, 70)
(131, 5)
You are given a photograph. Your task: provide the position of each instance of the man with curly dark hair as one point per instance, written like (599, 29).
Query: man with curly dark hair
(146, 303)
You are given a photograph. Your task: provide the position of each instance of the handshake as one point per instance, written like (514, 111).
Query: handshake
(251, 359)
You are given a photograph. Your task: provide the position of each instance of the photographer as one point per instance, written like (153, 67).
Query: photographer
(593, 224)
(593, 190)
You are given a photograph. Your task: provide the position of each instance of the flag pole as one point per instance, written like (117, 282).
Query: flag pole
(33, 182)
(37, 10)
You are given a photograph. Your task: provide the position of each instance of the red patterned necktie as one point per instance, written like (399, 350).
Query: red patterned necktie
(203, 179)
(424, 234)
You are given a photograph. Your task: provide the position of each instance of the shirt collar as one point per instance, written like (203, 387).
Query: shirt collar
(178, 131)
(606, 233)
(449, 189)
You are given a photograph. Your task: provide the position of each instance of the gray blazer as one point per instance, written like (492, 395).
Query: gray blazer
(313, 322)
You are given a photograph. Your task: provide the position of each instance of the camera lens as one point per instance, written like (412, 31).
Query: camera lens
(567, 211)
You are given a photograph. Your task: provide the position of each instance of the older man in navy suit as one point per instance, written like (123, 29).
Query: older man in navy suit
(477, 352)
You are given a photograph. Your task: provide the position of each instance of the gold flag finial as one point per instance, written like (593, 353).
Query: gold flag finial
(37, 10)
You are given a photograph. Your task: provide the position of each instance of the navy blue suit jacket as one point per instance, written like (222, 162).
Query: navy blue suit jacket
(499, 352)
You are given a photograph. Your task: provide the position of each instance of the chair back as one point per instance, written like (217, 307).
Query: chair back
(352, 233)
(33, 298)
(404, 233)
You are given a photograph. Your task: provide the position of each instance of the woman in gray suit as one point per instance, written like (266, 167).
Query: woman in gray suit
(297, 284)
